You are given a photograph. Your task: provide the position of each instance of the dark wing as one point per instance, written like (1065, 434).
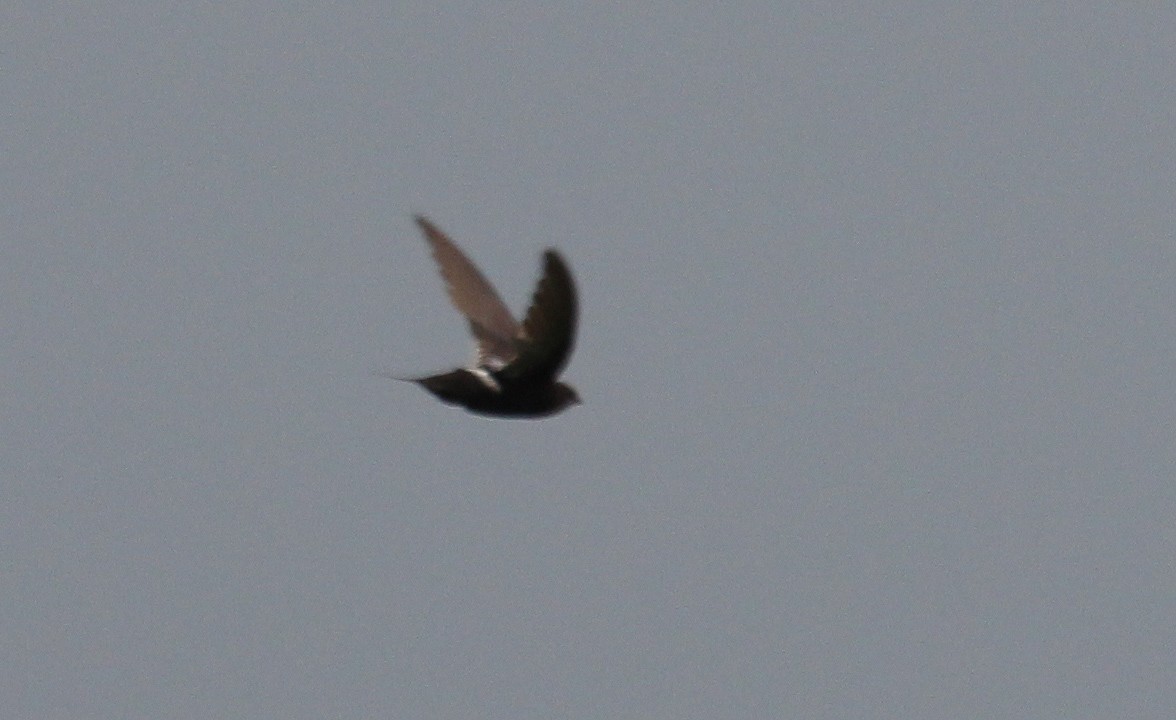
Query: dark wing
(548, 334)
(490, 321)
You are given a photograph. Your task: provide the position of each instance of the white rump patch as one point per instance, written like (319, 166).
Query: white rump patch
(484, 375)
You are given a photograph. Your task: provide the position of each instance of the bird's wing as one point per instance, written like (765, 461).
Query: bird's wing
(548, 333)
(491, 323)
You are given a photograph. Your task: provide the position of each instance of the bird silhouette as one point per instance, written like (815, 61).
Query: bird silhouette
(515, 369)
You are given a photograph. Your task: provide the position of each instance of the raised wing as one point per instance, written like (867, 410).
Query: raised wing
(491, 323)
(548, 334)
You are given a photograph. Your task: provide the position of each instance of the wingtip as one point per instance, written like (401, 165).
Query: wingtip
(551, 256)
(390, 376)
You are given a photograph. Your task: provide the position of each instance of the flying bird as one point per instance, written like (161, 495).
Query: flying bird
(515, 369)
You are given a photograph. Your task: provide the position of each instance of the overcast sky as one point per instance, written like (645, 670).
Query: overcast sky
(877, 354)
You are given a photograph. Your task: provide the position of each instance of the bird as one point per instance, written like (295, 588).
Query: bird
(516, 366)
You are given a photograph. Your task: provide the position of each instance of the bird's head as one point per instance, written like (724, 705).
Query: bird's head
(565, 396)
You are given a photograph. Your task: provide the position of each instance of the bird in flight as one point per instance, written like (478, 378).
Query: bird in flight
(515, 369)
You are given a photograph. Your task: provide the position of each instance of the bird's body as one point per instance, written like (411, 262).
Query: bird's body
(471, 390)
(516, 369)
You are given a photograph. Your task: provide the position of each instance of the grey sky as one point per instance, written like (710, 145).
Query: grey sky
(877, 356)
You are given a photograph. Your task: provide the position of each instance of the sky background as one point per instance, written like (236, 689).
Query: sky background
(877, 351)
